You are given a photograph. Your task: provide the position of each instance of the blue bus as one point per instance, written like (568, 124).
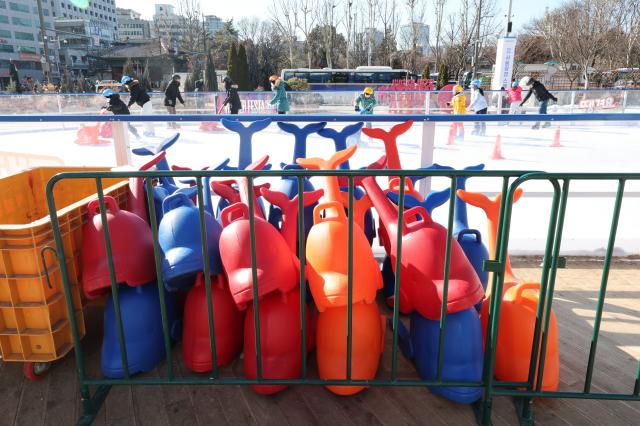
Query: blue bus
(346, 79)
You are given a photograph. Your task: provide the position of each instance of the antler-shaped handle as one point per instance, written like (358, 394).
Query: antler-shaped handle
(389, 139)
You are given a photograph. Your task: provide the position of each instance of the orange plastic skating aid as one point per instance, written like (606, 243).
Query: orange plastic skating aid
(367, 345)
(327, 256)
(515, 337)
(517, 313)
(327, 246)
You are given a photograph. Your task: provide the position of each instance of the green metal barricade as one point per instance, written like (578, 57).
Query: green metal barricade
(511, 180)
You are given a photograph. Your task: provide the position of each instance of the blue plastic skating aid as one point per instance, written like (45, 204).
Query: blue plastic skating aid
(462, 357)
(340, 138)
(162, 164)
(180, 241)
(246, 135)
(142, 326)
(300, 134)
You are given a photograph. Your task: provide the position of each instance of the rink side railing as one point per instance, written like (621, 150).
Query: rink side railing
(523, 392)
(328, 102)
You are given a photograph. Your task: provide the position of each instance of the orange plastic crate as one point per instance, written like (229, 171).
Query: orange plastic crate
(34, 325)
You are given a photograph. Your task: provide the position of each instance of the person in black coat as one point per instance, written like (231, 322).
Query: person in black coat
(233, 99)
(171, 95)
(541, 94)
(117, 107)
(140, 97)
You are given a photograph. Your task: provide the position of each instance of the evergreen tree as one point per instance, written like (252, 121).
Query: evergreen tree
(13, 75)
(232, 63)
(210, 78)
(243, 69)
(443, 76)
(426, 72)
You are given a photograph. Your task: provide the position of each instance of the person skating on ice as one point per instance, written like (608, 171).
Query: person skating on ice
(280, 97)
(542, 95)
(171, 95)
(233, 99)
(478, 105)
(139, 96)
(117, 107)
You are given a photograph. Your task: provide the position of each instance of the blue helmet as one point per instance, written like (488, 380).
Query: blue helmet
(125, 79)
(514, 84)
(476, 83)
(108, 92)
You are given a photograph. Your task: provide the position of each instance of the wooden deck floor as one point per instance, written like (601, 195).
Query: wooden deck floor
(55, 399)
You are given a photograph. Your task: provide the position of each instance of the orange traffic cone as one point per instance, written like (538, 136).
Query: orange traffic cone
(452, 134)
(210, 126)
(556, 139)
(497, 149)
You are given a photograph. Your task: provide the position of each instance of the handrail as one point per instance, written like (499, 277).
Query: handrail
(380, 118)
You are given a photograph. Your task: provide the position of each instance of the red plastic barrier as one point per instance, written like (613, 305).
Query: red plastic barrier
(133, 259)
(228, 326)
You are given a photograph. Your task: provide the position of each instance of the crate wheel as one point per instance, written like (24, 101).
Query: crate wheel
(35, 371)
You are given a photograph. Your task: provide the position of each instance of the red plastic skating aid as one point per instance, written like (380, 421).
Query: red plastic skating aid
(228, 326)
(133, 259)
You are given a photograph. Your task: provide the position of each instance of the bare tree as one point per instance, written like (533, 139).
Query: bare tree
(415, 14)
(348, 25)
(283, 14)
(390, 19)
(248, 28)
(438, 10)
(371, 28)
(191, 26)
(579, 33)
(305, 18)
(328, 20)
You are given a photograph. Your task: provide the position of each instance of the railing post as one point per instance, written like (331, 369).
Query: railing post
(624, 100)
(427, 102)
(121, 143)
(426, 153)
(573, 101)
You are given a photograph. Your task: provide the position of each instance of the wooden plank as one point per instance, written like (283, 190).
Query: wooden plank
(118, 407)
(148, 407)
(62, 396)
(11, 383)
(31, 410)
(294, 407)
(177, 399)
(326, 407)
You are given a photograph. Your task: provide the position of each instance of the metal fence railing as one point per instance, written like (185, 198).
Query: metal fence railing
(523, 390)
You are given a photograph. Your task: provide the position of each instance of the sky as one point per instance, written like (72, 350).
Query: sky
(522, 10)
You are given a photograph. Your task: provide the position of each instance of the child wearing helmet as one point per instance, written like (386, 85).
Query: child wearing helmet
(478, 105)
(117, 107)
(368, 100)
(514, 96)
(459, 104)
(139, 96)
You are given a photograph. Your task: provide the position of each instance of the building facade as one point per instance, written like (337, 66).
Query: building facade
(213, 24)
(21, 41)
(101, 15)
(167, 26)
(422, 37)
(131, 26)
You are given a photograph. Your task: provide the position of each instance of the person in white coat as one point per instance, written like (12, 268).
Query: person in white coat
(478, 105)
